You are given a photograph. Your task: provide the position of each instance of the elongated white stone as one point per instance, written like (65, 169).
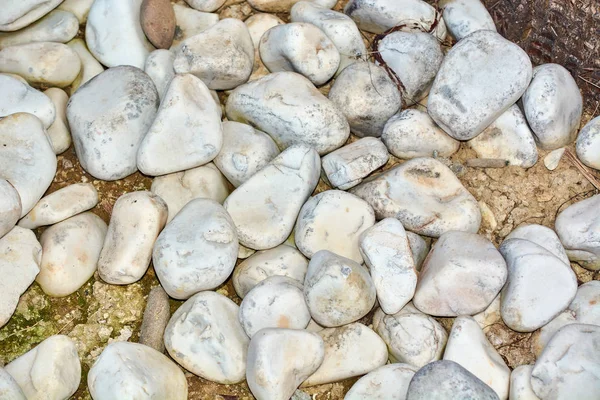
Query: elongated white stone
(59, 133)
(520, 384)
(190, 22)
(17, 14)
(159, 67)
(463, 17)
(57, 26)
(18, 96)
(389, 382)
(90, 67)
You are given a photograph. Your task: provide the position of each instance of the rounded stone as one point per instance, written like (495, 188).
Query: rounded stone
(588, 144)
(18, 97)
(389, 382)
(158, 22)
(10, 207)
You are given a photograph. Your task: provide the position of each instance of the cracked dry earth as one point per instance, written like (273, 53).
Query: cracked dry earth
(549, 30)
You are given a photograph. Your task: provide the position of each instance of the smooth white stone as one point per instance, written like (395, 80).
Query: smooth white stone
(59, 133)
(42, 63)
(159, 67)
(20, 258)
(287, 107)
(490, 315)
(60, 205)
(49, 371)
(347, 166)
(459, 103)
(205, 5)
(114, 34)
(588, 144)
(520, 384)
(90, 67)
(419, 248)
(205, 337)
(190, 22)
(412, 133)
(265, 207)
(245, 151)
(553, 106)
(18, 96)
(279, 360)
(367, 97)
(338, 27)
(389, 382)
(245, 252)
(415, 58)
(447, 380)
(284, 6)
(109, 117)
(9, 388)
(300, 47)
(258, 24)
(413, 193)
(186, 132)
(569, 367)
(333, 220)
(57, 26)
(468, 346)
(553, 158)
(577, 228)
(282, 260)
(222, 55)
(338, 291)
(197, 250)
(70, 251)
(411, 337)
(10, 207)
(507, 138)
(350, 351)
(386, 251)
(463, 17)
(17, 14)
(27, 160)
(79, 8)
(180, 188)
(130, 370)
(135, 222)
(542, 236)
(276, 302)
(529, 302)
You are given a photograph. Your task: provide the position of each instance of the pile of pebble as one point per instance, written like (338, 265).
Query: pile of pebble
(235, 197)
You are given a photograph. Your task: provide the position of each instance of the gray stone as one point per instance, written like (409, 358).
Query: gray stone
(463, 17)
(588, 144)
(156, 317)
(18, 97)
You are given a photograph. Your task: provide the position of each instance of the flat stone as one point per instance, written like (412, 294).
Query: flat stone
(60, 205)
(109, 117)
(205, 337)
(386, 251)
(90, 67)
(265, 207)
(135, 222)
(205, 235)
(347, 166)
(42, 63)
(412, 133)
(338, 291)
(186, 132)
(588, 144)
(18, 97)
(282, 260)
(520, 384)
(70, 252)
(190, 22)
(156, 317)
(279, 360)
(367, 96)
(17, 14)
(27, 160)
(56, 26)
(553, 106)
(507, 138)
(419, 247)
(411, 337)
(59, 132)
(10, 207)
(126, 369)
(159, 67)
(569, 365)
(20, 258)
(542, 236)
(333, 220)
(178, 189)
(553, 158)
(338, 27)
(245, 151)
(447, 380)
(9, 388)
(51, 370)
(287, 107)
(158, 22)
(350, 350)
(79, 8)
(412, 193)
(468, 346)
(529, 303)
(576, 227)
(456, 101)
(463, 17)
(389, 382)
(205, 5)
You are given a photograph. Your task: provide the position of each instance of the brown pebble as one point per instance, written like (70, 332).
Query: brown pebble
(486, 163)
(156, 318)
(158, 22)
